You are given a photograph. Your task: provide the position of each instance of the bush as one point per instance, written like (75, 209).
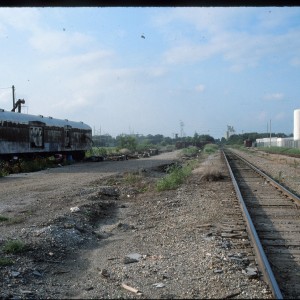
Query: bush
(210, 148)
(175, 177)
(5, 262)
(14, 246)
(190, 151)
(2, 219)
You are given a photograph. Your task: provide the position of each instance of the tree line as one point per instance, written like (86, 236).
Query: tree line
(140, 142)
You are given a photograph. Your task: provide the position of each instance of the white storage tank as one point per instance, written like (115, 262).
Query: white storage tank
(296, 124)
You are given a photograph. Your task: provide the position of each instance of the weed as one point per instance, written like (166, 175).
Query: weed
(190, 151)
(296, 163)
(14, 246)
(211, 174)
(2, 219)
(279, 178)
(175, 177)
(15, 220)
(131, 178)
(281, 150)
(5, 262)
(210, 148)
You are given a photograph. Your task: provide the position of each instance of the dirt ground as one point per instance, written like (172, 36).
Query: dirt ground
(101, 230)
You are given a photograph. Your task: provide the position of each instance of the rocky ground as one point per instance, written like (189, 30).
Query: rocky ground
(101, 230)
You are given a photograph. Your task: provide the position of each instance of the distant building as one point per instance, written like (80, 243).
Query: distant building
(230, 131)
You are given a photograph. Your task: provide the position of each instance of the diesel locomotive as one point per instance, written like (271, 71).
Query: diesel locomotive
(29, 135)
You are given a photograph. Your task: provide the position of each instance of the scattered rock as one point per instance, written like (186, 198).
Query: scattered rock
(104, 273)
(132, 258)
(75, 209)
(250, 272)
(15, 273)
(37, 273)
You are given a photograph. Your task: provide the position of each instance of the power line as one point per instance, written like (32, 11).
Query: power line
(4, 88)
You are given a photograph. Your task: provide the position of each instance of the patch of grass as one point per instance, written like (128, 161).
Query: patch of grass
(210, 148)
(3, 219)
(131, 178)
(281, 150)
(174, 178)
(101, 151)
(279, 178)
(15, 220)
(14, 246)
(5, 262)
(136, 180)
(22, 165)
(190, 151)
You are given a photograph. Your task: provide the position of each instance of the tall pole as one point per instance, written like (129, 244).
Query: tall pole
(270, 133)
(13, 94)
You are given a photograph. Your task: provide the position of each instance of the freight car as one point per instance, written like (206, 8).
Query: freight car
(247, 143)
(29, 135)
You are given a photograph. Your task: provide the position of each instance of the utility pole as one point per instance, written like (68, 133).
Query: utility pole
(13, 94)
(181, 128)
(270, 133)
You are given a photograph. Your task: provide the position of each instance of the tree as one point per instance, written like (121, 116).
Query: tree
(127, 141)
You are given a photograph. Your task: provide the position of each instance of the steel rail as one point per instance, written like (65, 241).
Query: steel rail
(272, 181)
(260, 253)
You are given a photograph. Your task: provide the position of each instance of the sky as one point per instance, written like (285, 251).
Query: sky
(154, 70)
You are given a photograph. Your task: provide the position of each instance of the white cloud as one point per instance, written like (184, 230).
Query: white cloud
(261, 116)
(156, 71)
(20, 18)
(200, 88)
(295, 62)
(190, 53)
(274, 96)
(5, 97)
(280, 116)
(58, 41)
(84, 60)
(240, 36)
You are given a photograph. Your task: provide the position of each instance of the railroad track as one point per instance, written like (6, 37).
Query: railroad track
(273, 222)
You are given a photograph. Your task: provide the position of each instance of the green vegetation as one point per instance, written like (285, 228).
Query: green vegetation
(136, 181)
(131, 178)
(34, 165)
(281, 150)
(5, 262)
(14, 246)
(2, 219)
(101, 151)
(128, 142)
(175, 177)
(191, 151)
(210, 148)
(23, 166)
(139, 142)
(280, 177)
(15, 220)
